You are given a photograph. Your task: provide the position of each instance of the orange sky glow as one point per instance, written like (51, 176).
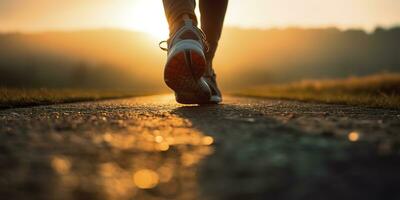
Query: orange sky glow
(148, 15)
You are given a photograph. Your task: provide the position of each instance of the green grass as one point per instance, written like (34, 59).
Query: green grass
(11, 98)
(381, 90)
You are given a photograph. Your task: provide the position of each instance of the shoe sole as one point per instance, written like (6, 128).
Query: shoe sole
(183, 73)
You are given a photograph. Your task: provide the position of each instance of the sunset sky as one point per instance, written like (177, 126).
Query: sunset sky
(148, 16)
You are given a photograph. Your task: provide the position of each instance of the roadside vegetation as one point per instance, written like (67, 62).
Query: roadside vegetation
(381, 90)
(10, 98)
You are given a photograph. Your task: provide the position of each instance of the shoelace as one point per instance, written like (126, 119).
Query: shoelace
(203, 40)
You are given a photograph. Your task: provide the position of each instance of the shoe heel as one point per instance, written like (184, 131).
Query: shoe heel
(183, 71)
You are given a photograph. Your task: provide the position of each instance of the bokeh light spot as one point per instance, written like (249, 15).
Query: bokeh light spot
(207, 140)
(163, 146)
(354, 136)
(145, 179)
(158, 139)
(61, 164)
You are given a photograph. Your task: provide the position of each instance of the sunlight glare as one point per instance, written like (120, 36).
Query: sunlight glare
(148, 16)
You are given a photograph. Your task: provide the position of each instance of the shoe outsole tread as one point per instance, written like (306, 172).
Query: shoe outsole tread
(183, 74)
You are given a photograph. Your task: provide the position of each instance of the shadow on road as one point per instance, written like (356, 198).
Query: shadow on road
(260, 157)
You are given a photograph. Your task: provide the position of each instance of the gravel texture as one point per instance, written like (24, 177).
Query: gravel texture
(153, 148)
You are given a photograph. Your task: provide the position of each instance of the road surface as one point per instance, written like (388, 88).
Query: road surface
(152, 148)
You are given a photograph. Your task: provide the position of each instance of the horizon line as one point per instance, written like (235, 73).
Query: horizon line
(110, 28)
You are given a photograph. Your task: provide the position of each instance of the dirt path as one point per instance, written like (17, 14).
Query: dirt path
(153, 148)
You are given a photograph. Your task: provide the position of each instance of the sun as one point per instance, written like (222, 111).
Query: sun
(148, 16)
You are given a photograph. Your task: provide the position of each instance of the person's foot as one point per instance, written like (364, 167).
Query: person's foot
(211, 79)
(186, 68)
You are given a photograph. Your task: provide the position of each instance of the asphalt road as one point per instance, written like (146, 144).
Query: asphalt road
(152, 148)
